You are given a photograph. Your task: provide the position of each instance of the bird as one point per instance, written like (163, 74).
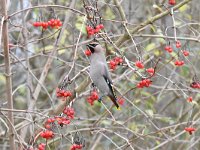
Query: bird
(99, 72)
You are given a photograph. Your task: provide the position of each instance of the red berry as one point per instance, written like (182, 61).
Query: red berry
(182, 62)
(91, 32)
(178, 44)
(190, 99)
(167, 48)
(59, 23)
(49, 23)
(170, 50)
(89, 100)
(113, 67)
(139, 85)
(94, 95)
(121, 101)
(41, 146)
(144, 83)
(69, 112)
(172, 2)
(96, 30)
(66, 94)
(139, 64)
(47, 126)
(185, 53)
(179, 63)
(195, 85)
(52, 21)
(66, 122)
(112, 63)
(36, 24)
(76, 146)
(98, 27)
(101, 26)
(88, 28)
(150, 71)
(50, 120)
(88, 52)
(118, 60)
(190, 129)
(47, 134)
(62, 92)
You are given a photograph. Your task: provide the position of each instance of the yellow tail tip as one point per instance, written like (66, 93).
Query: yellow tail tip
(118, 108)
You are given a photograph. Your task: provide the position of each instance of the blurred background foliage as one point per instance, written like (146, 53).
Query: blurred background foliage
(149, 116)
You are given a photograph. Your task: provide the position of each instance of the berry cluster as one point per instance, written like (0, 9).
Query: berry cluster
(53, 23)
(93, 97)
(139, 64)
(150, 71)
(61, 120)
(47, 134)
(76, 146)
(195, 85)
(144, 83)
(48, 123)
(185, 53)
(88, 52)
(179, 62)
(190, 130)
(168, 48)
(189, 99)
(63, 93)
(69, 112)
(41, 146)
(91, 31)
(172, 2)
(114, 62)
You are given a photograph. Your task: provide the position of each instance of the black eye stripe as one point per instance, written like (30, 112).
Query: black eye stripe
(91, 47)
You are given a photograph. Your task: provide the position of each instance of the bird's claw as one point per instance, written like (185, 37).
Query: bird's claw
(93, 85)
(100, 99)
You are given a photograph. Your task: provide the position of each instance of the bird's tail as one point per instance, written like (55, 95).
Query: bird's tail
(114, 100)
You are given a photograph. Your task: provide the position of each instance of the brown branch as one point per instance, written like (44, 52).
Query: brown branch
(8, 75)
(46, 6)
(88, 41)
(120, 9)
(30, 101)
(50, 59)
(59, 108)
(137, 29)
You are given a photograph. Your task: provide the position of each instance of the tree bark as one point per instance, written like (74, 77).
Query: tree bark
(8, 74)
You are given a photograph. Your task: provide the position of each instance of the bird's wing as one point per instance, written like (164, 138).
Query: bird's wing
(106, 74)
(112, 93)
(108, 80)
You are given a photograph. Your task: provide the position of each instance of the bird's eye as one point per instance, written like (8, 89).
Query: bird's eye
(92, 46)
